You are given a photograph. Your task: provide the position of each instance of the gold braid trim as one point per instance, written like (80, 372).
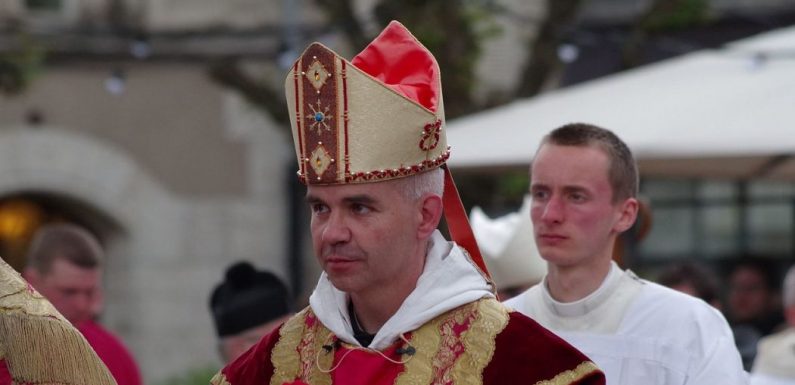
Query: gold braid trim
(316, 356)
(295, 355)
(284, 357)
(426, 341)
(570, 376)
(219, 379)
(480, 342)
(42, 383)
(46, 350)
(17, 297)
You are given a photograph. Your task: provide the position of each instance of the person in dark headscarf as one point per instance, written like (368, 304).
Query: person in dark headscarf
(247, 305)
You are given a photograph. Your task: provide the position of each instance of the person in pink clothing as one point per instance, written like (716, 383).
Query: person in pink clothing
(64, 263)
(112, 351)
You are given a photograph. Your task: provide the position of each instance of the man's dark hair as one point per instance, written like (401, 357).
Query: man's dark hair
(622, 170)
(764, 266)
(703, 280)
(63, 241)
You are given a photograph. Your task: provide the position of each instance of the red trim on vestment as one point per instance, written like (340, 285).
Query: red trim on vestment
(457, 222)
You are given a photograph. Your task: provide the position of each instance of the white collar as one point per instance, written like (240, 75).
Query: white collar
(590, 302)
(449, 280)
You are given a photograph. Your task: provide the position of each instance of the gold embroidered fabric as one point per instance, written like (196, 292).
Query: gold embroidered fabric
(426, 340)
(480, 342)
(456, 346)
(17, 297)
(283, 357)
(570, 376)
(453, 348)
(219, 379)
(38, 344)
(316, 357)
(298, 353)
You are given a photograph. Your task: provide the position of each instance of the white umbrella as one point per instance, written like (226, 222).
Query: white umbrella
(720, 113)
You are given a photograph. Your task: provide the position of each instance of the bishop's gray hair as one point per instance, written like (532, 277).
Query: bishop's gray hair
(415, 186)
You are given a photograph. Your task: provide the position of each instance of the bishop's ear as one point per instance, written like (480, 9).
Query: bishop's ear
(430, 214)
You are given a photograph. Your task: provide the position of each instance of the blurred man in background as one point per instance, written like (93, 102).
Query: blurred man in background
(64, 263)
(753, 304)
(775, 359)
(247, 305)
(694, 279)
(39, 346)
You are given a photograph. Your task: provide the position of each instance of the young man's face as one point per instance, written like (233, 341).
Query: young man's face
(365, 236)
(72, 289)
(574, 218)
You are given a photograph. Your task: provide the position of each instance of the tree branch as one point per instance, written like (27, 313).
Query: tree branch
(543, 59)
(229, 73)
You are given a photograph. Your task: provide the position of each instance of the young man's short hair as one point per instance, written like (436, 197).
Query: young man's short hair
(622, 172)
(63, 241)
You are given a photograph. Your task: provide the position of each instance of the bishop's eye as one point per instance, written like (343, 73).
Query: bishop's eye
(319, 208)
(358, 208)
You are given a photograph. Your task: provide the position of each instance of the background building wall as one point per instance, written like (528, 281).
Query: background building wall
(193, 176)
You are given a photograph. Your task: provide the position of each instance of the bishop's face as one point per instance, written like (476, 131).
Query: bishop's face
(365, 236)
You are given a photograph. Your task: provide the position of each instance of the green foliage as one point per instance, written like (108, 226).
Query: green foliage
(20, 66)
(197, 376)
(678, 14)
(495, 191)
(513, 185)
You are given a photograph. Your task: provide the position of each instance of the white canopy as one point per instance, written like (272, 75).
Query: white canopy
(722, 113)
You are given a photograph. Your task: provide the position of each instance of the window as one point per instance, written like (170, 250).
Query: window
(43, 5)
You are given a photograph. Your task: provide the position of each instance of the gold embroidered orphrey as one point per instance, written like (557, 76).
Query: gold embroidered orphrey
(442, 354)
(570, 376)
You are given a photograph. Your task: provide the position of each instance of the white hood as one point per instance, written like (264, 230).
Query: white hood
(449, 280)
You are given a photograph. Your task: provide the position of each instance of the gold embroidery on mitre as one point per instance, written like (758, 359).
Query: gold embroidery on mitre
(319, 118)
(570, 376)
(317, 74)
(480, 342)
(219, 379)
(320, 160)
(431, 135)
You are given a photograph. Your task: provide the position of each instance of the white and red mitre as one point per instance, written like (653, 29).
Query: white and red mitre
(377, 117)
